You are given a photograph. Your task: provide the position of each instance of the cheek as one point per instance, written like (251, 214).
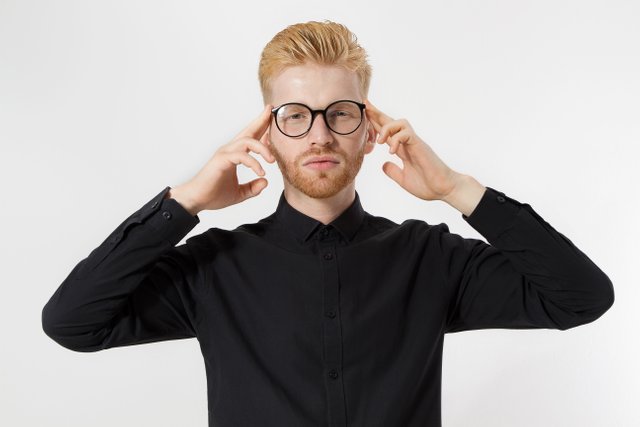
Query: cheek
(276, 152)
(281, 152)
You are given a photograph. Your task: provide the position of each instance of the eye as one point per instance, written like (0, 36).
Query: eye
(293, 113)
(341, 114)
(295, 116)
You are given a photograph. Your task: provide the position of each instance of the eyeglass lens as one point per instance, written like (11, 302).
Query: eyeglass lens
(295, 119)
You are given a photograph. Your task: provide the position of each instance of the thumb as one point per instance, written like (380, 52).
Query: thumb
(393, 171)
(252, 188)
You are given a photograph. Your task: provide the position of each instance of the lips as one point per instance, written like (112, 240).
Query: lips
(321, 159)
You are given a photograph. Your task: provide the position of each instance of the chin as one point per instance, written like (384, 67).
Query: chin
(321, 185)
(321, 192)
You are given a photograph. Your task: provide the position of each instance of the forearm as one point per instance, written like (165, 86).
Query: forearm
(531, 276)
(81, 313)
(466, 194)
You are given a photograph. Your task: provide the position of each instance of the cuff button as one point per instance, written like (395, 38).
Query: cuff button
(501, 199)
(166, 214)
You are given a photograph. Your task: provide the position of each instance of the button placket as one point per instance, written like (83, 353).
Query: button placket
(331, 327)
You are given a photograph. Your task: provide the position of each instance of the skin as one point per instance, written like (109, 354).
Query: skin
(323, 194)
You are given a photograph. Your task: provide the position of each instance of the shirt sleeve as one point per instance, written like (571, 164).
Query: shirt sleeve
(528, 276)
(133, 288)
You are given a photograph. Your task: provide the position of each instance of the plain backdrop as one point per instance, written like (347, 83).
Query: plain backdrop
(104, 103)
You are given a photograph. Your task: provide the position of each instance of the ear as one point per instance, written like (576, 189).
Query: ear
(370, 142)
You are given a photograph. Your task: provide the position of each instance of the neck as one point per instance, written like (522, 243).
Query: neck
(323, 210)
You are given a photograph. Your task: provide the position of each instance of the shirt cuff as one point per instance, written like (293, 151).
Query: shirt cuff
(494, 214)
(168, 217)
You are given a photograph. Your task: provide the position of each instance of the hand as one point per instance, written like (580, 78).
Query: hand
(423, 174)
(216, 185)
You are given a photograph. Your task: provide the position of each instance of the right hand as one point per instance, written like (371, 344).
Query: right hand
(216, 185)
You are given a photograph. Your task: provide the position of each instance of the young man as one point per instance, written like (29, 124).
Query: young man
(322, 314)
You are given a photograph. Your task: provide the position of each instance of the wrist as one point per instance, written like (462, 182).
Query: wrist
(465, 195)
(181, 196)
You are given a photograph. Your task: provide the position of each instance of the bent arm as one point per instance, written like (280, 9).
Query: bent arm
(131, 289)
(529, 276)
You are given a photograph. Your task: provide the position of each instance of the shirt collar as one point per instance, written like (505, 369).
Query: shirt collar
(304, 227)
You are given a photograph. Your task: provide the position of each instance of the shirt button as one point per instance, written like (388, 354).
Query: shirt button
(324, 232)
(501, 199)
(328, 256)
(333, 374)
(166, 214)
(331, 314)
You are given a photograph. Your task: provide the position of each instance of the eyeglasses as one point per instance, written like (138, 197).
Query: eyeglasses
(342, 117)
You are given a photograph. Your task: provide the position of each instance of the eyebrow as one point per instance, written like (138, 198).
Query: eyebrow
(307, 105)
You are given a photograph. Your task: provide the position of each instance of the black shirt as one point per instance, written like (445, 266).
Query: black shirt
(305, 324)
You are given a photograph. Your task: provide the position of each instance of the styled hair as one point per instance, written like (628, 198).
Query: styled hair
(322, 43)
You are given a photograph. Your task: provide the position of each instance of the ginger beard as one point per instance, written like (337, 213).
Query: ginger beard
(319, 184)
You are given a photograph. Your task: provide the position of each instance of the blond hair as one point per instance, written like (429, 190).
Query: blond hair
(323, 43)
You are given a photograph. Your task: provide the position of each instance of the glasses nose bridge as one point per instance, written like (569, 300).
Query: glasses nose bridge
(314, 114)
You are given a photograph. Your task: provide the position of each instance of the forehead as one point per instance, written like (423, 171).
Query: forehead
(315, 85)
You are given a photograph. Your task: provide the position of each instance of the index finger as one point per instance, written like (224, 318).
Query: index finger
(259, 125)
(377, 117)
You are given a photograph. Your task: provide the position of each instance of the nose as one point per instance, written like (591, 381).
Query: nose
(319, 134)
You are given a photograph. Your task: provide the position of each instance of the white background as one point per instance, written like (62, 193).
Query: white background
(103, 104)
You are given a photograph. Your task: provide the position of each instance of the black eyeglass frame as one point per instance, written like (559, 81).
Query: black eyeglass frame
(362, 107)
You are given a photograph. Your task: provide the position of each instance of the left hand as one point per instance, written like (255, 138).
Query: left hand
(423, 173)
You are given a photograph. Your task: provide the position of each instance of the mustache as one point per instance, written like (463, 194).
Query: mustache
(321, 152)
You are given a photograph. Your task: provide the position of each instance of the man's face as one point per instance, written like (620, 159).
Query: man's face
(320, 163)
